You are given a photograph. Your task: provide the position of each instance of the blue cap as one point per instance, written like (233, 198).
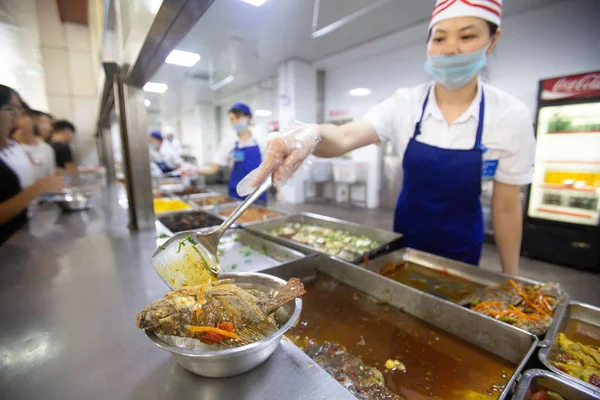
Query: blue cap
(243, 107)
(156, 135)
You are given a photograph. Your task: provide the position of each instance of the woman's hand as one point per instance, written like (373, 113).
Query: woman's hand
(285, 153)
(50, 184)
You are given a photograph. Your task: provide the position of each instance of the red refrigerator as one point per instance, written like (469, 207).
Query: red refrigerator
(563, 207)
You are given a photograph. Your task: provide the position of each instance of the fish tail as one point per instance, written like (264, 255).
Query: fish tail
(293, 289)
(254, 333)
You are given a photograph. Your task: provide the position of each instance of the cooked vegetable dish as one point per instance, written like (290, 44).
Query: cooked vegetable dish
(347, 331)
(335, 242)
(579, 360)
(253, 214)
(529, 307)
(186, 221)
(212, 200)
(168, 205)
(218, 312)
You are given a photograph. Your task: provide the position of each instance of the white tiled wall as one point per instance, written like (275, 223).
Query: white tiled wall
(71, 75)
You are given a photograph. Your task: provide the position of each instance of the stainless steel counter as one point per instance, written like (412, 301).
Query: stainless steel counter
(70, 287)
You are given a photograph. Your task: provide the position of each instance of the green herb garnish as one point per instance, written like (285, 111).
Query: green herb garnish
(182, 242)
(263, 250)
(246, 251)
(234, 266)
(162, 247)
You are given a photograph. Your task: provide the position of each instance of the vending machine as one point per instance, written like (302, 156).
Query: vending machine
(563, 208)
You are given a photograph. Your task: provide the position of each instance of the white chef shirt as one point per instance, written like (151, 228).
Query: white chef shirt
(224, 155)
(507, 134)
(42, 158)
(15, 157)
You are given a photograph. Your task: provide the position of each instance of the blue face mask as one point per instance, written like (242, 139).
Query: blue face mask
(153, 147)
(240, 126)
(456, 70)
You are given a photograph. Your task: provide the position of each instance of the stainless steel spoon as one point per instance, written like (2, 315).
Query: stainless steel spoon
(190, 258)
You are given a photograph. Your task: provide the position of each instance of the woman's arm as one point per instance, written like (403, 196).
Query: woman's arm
(507, 217)
(16, 204)
(287, 152)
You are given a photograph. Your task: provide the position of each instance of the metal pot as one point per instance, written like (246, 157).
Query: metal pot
(74, 201)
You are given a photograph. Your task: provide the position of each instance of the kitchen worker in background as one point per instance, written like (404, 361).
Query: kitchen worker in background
(453, 133)
(244, 151)
(172, 144)
(163, 158)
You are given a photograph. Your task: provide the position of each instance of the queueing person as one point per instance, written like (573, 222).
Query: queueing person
(17, 174)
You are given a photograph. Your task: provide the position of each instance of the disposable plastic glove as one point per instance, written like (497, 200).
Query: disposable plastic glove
(285, 153)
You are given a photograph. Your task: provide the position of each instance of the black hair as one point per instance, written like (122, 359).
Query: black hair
(238, 112)
(62, 125)
(5, 94)
(38, 113)
(493, 28)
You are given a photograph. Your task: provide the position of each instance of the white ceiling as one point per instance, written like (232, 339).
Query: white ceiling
(255, 40)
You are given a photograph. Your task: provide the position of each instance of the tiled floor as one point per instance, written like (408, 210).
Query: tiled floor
(581, 286)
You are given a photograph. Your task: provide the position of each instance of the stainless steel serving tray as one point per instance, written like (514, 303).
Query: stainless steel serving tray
(241, 251)
(385, 238)
(216, 209)
(508, 343)
(536, 379)
(190, 200)
(574, 311)
(460, 270)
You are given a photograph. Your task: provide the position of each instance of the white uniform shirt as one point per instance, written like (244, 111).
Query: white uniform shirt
(507, 134)
(15, 157)
(42, 157)
(224, 155)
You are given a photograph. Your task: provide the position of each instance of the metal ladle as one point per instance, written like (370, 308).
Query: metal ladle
(190, 258)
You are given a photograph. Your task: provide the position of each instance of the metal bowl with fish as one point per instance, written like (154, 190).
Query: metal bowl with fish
(226, 327)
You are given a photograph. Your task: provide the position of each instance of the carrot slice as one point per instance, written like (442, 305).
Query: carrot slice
(200, 301)
(526, 299)
(200, 329)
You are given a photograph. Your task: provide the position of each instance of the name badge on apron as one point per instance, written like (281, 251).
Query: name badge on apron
(238, 155)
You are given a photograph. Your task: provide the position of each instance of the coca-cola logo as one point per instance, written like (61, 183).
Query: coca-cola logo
(584, 84)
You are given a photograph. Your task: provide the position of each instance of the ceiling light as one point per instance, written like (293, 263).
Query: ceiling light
(183, 58)
(263, 113)
(147, 102)
(154, 87)
(256, 3)
(360, 92)
(223, 82)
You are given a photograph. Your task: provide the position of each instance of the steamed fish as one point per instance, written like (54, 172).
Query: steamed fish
(218, 312)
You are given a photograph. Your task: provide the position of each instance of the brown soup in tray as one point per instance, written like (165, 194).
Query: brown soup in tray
(438, 283)
(427, 363)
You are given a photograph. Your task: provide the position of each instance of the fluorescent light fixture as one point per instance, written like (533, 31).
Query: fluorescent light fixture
(147, 102)
(223, 82)
(154, 87)
(183, 58)
(263, 113)
(256, 3)
(360, 92)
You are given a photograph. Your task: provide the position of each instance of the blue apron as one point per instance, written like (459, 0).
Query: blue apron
(246, 159)
(439, 209)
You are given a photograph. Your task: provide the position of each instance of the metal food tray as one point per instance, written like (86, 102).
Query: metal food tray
(190, 200)
(164, 228)
(461, 270)
(386, 238)
(574, 311)
(513, 345)
(216, 209)
(248, 252)
(536, 379)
